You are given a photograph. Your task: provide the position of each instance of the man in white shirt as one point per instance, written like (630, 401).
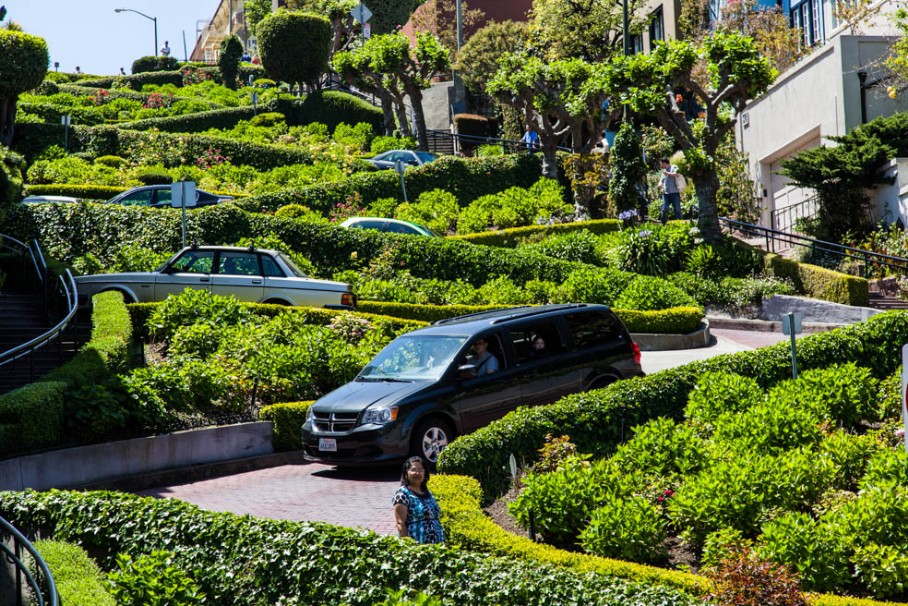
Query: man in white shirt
(671, 195)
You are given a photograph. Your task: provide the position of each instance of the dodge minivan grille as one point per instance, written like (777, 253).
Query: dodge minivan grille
(334, 422)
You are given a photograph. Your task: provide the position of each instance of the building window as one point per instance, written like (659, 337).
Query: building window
(636, 44)
(656, 27)
(817, 23)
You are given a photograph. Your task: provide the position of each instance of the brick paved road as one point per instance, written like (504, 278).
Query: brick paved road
(363, 497)
(307, 491)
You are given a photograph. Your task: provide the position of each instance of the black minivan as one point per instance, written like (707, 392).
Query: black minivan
(424, 389)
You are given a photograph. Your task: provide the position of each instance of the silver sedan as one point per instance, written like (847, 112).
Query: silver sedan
(255, 275)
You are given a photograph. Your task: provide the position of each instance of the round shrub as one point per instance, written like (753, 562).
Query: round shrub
(437, 209)
(197, 340)
(382, 144)
(631, 528)
(885, 467)
(154, 64)
(844, 394)
(819, 556)
(593, 285)
(579, 246)
(662, 448)
(195, 307)
(111, 161)
(151, 176)
(650, 293)
(268, 119)
(770, 427)
(716, 393)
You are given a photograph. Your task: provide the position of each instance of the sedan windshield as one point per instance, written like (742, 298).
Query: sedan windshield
(413, 357)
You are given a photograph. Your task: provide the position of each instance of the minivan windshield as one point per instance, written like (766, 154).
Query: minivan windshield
(413, 358)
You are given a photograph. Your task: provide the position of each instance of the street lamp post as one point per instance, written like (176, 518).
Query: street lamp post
(154, 19)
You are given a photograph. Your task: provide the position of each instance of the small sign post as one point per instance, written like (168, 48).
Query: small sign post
(65, 121)
(791, 325)
(183, 194)
(400, 167)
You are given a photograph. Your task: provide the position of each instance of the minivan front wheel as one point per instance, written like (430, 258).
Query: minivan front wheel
(430, 438)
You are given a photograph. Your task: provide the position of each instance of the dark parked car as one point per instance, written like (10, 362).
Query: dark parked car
(157, 196)
(421, 391)
(249, 274)
(409, 157)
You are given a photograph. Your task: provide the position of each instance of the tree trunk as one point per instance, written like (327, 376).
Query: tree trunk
(387, 110)
(403, 122)
(707, 184)
(419, 117)
(549, 164)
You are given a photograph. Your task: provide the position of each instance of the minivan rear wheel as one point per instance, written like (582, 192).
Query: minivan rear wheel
(430, 438)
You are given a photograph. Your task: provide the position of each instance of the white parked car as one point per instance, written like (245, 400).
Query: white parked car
(44, 199)
(249, 274)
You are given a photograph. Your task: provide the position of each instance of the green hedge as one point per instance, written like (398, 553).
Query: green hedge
(78, 579)
(509, 238)
(426, 313)
(84, 191)
(466, 178)
(31, 417)
(288, 418)
(331, 108)
(140, 313)
(677, 320)
(244, 561)
(225, 118)
(819, 282)
(32, 138)
(467, 525)
(598, 421)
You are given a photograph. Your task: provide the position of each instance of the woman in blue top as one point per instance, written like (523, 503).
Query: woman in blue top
(415, 509)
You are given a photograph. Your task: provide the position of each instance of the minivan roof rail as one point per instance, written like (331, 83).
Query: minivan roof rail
(497, 316)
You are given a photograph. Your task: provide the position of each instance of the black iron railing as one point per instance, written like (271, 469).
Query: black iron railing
(64, 291)
(26, 586)
(786, 219)
(775, 237)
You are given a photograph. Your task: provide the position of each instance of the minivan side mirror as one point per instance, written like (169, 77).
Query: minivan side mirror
(466, 371)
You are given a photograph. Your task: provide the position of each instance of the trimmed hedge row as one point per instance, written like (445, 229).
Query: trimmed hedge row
(598, 421)
(225, 118)
(819, 282)
(466, 525)
(78, 579)
(466, 178)
(288, 418)
(307, 563)
(139, 313)
(330, 108)
(33, 416)
(511, 237)
(677, 320)
(32, 138)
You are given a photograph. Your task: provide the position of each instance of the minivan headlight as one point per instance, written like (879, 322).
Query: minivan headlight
(380, 416)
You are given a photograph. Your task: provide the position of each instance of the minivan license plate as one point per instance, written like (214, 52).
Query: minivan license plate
(327, 445)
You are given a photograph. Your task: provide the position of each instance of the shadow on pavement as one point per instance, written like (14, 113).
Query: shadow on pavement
(383, 473)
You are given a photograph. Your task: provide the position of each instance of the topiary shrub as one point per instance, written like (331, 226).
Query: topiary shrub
(111, 161)
(150, 176)
(154, 64)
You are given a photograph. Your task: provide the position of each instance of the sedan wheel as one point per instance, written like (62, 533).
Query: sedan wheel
(431, 438)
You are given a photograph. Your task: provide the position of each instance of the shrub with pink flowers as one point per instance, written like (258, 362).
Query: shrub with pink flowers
(211, 157)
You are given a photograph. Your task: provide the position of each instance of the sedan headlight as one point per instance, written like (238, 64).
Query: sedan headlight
(380, 416)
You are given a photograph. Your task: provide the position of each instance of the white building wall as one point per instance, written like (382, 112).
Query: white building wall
(818, 98)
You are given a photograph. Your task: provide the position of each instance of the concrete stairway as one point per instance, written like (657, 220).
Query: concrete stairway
(22, 318)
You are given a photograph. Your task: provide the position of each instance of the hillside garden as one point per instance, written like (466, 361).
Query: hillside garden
(801, 473)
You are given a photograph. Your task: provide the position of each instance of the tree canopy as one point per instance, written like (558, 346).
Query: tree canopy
(694, 93)
(585, 29)
(294, 47)
(477, 62)
(23, 67)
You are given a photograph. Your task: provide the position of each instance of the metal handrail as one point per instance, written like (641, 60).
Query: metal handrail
(772, 235)
(67, 287)
(508, 145)
(14, 556)
(804, 209)
(72, 304)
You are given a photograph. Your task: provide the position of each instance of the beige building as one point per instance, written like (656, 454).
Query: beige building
(227, 20)
(828, 93)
